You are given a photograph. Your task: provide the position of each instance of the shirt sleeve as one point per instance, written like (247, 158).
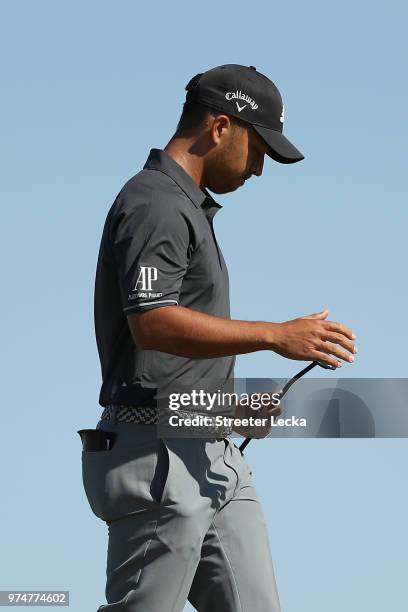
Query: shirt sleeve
(151, 247)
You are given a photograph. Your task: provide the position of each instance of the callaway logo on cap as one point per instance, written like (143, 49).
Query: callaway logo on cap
(245, 93)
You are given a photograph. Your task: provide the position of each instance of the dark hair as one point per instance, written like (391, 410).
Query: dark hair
(193, 115)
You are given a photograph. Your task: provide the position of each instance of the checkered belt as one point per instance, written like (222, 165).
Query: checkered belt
(129, 414)
(144, 415)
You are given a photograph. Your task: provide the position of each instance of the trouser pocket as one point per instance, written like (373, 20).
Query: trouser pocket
(126, 480)
(245, 468)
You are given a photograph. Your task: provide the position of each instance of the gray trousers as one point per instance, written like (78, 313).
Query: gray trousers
(184, 522)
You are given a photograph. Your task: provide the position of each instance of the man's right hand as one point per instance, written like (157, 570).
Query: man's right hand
(314, 338)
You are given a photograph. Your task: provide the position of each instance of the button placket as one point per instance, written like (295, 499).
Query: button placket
(209, 211)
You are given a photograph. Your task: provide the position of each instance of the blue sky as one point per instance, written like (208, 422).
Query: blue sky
(88, 89)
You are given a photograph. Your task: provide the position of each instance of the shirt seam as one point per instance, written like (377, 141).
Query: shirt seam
(150, 303)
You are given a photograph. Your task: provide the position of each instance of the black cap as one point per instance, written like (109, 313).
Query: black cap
(245, 93)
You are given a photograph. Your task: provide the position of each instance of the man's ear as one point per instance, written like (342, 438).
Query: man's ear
(221, 123)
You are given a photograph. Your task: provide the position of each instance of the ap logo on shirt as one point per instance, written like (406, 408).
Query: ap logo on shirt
(146, 276)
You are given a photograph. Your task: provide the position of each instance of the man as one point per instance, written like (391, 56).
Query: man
(183, 517)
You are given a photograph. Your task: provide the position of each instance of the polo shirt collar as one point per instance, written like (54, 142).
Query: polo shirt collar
(160, 160)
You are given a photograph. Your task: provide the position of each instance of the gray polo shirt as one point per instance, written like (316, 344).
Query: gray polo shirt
(158, 249)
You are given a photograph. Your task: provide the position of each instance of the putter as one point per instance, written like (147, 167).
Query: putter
(288, 386)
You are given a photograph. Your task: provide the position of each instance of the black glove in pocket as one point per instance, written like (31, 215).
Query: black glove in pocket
(96, 439)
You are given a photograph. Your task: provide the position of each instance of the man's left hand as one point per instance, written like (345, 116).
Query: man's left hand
(265, 412)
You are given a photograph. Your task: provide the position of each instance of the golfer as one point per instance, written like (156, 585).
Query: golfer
(184, 520)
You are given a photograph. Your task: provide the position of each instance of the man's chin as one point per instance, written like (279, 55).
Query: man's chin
(226, 189)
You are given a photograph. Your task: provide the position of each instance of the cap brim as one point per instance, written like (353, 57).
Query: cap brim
(281, 149)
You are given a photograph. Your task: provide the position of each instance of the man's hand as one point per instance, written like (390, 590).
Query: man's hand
(264, 412)
(313, 338)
